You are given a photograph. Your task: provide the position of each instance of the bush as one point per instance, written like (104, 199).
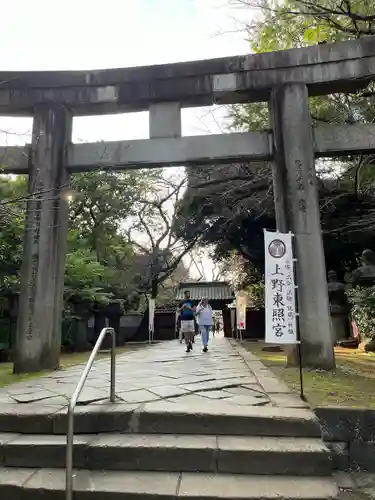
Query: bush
(362, 300)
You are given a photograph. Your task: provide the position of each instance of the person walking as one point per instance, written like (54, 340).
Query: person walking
(187, 328)
(215, 327)
(205, 320)
(178, 327)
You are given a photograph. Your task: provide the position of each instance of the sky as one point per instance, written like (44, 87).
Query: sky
(92, 34)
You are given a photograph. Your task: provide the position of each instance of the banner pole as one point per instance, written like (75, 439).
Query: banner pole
(299, 349)
(150, 313)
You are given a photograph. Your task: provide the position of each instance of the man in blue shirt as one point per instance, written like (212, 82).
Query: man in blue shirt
(187, 311)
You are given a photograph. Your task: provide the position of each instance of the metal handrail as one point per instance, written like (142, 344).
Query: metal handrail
(74, 399)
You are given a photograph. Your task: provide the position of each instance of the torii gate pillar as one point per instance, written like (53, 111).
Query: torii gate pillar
(297, 209)
(38, 340)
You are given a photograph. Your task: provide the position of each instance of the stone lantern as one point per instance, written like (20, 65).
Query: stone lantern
(339, 307)
(364, 276)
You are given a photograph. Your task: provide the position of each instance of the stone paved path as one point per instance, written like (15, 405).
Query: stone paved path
(356, 485)
(226, 375)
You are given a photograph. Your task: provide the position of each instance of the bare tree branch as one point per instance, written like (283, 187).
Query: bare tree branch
(155, 223)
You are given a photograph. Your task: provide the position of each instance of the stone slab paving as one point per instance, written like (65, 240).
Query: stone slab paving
(356, 485)
(226, 375)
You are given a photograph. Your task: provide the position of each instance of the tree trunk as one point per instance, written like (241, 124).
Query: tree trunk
(154, 288)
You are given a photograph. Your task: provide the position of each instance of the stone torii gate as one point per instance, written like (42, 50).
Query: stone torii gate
(284, 79)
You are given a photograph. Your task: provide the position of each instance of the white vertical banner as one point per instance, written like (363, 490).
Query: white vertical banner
(280, 303)
(241, 302)
(151, 318)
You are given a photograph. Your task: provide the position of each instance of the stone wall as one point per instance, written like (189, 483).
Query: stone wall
(129, 324)
(255, 324)
(350, 434)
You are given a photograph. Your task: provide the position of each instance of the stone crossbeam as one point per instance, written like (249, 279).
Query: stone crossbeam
(329, 141)
(150, 153)
(14, 159)
(325, 69)
(167, 152)
(338, 140)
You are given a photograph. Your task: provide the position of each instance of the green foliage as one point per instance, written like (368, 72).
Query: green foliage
(102, 200)
(362, 300)
(245, 276)
(11, 231)
(256, 294)
(296, 23)
(249, 117)
(107, 208)
(83, 276)
(94, 265)
(300, 23)
(102, 264)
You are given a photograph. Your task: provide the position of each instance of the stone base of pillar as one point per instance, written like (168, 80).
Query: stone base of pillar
(311, 356)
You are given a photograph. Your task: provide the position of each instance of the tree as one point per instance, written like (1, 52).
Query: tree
(229, 205)
(167, 290)
(232, 209)
(346, 186)
(198, 261)
(244, 276)
(291, 23)
(11, 232)
(153, 233)
(104, 204)
(233, 219)
(103, 200)
(84, 278)
(100, 261)
(12, 211)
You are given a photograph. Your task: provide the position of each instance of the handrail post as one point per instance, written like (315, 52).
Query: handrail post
(112, 393)
(74, 399)
(69, 455)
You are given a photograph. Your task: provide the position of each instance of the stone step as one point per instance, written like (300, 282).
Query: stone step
(31, 484)
(162, 418)
(169, 452)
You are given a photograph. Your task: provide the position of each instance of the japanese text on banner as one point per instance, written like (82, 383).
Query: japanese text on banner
(280, 306)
